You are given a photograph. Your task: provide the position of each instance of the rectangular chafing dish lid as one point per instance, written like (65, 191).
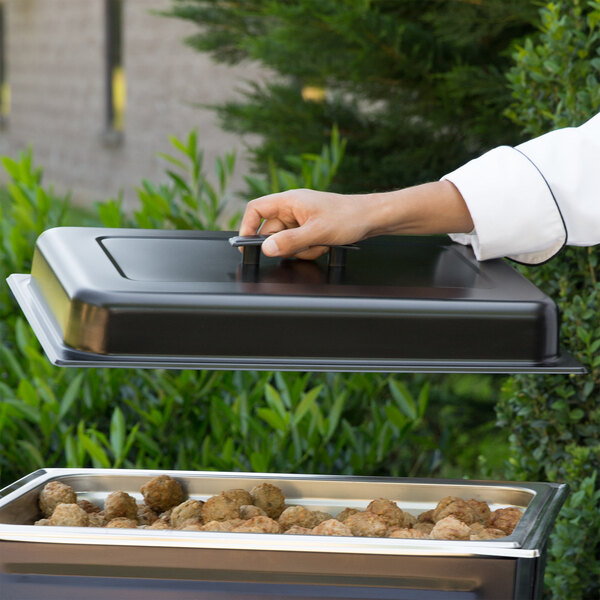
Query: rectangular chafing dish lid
(161, 298)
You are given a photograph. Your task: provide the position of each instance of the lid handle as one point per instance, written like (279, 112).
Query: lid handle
(251, 250)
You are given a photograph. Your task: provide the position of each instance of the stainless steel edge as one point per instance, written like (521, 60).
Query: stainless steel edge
(540, 531)
(61, 355)
(523, 543)
(18, 487)
(265, 541)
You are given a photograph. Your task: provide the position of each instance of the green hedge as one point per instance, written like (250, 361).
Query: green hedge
(286, 422)
(555, 421)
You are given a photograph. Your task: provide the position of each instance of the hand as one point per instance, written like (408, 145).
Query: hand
(303, 223)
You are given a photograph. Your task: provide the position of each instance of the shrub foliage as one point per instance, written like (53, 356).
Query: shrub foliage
(555, 421)
(201, 420)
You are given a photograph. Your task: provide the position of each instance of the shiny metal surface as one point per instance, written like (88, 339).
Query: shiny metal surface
(18, 510)
(62, 563)
(48, 333)
(178, 299)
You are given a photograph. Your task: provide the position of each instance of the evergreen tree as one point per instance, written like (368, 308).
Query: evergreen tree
(415, 86)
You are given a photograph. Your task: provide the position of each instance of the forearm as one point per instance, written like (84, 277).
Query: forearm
(424, 209)
(303, 223)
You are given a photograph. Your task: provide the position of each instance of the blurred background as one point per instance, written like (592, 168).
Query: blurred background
(97, 86)
(171, 113)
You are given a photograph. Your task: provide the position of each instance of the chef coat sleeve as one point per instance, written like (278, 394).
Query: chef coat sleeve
(529, 201)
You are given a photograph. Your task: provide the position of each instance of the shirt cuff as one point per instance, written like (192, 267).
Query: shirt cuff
(512, 207)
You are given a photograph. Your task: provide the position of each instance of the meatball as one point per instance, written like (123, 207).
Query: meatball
(88, 506)
(346, 513)
(296, 515)
(69, 515)
(481, 509)
(404, 533)
(166, 516)
(120, 504)
(190, 509)
(441, 505)
(43, 522)
(366, 524)
(145, 515)
(122, 523)
(319, 516)
(160, 524)
(225, 526)
(426, 517)
(188, 523)
(424, 527)
(458, 509)
(237, 522)
(55, 493)
(162, 492)
(450, 528)
(505, 519)
(488, 533)
(297, 530)
(409, 520)
(219, 508)
(247, 511)
(388, 511)
(96, 519)
(192, 525)
(259, 525)
(269, 498)
(476, 528)
(240, 497)
(332, 527)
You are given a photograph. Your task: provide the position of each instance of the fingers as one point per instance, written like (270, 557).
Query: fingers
(272, 226)
(291, 242)
(312, 253)
(267, 207)
(289, 218)
(251, 221)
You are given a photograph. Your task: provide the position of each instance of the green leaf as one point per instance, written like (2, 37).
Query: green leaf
(259, 462)
(27, 411)
(13, 168)
(72, 453)
(396, 417)
(33, 452)
(335, 414)
(274, 400)
(172, 160)
(403, 398)
(131, 438)
(70, 396)
(11, 361)
(305, 404)
(99, 457)
(117, 433)
(178, 144)
(273, 419)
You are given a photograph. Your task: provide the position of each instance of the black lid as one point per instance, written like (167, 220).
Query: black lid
(129, 297)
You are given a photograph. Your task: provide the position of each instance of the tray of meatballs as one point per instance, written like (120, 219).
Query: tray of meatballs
(195, 509)
(95, 533)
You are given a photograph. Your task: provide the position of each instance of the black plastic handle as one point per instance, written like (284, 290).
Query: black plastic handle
(252, 243)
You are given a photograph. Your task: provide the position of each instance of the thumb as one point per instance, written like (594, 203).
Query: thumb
(289, 241)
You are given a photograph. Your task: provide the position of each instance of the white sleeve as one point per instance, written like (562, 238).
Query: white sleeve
(528, 202)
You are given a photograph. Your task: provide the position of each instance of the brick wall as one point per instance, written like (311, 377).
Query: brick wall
(55, 63)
